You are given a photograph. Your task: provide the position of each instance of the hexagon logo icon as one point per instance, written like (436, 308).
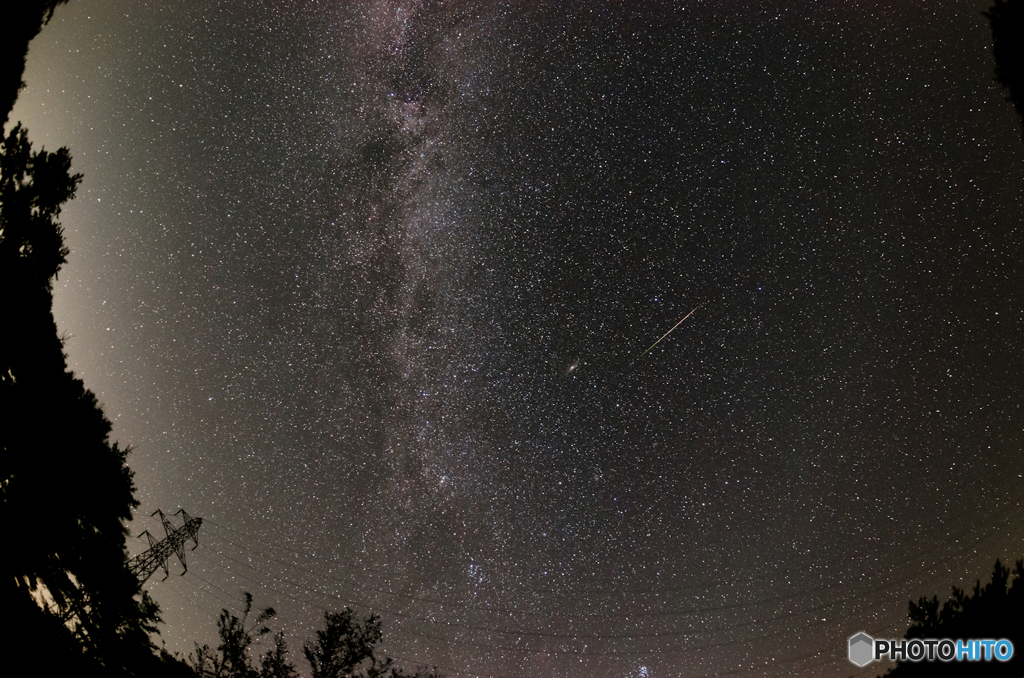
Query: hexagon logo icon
(861, 646)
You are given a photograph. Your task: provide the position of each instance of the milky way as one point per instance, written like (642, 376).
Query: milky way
(368, 286)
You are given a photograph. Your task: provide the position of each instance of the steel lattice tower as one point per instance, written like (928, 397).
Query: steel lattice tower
(144, 565)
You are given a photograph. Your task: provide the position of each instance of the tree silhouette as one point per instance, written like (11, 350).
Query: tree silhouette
(33, 189)
(65, 490)
(275, 663)
(22, 21)
(346, 648)
(236, 637)
(995, 611)
(1006, 18)
(343, 644)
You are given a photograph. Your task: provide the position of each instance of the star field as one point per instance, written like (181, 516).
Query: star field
(367, 286)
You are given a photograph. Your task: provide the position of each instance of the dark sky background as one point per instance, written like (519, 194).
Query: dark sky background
(367, 284)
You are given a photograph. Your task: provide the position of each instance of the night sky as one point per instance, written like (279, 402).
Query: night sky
(368, 286)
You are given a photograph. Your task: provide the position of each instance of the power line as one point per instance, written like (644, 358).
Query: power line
(672, 613)
(1004, 518)
(584, 637)
(571, 637)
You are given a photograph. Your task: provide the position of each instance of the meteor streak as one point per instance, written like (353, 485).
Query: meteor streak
(668, 333)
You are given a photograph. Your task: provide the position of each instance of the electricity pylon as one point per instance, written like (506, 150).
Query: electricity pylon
(144, 565)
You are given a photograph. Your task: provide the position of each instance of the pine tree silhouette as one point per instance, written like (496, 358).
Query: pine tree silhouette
(995, 611)
(1006, 17)
(22, 21)
(65, 489)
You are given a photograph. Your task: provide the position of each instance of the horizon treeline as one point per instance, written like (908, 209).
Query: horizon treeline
(995, 611)
(67, 492)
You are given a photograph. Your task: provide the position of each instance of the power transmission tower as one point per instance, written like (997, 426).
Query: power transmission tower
(144, 565)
